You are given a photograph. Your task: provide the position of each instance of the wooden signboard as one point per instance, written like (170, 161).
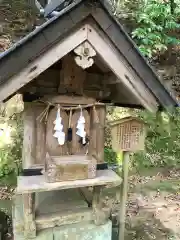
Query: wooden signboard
(128, 134)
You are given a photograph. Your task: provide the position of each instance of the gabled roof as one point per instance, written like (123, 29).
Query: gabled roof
(33, 45)
(125, 119)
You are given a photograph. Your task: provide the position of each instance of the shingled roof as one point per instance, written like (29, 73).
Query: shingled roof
(42, 38)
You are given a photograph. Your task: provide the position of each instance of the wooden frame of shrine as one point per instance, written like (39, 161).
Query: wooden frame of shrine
(67, 70)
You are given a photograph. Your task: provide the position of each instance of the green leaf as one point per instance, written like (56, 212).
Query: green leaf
(139, 33)
(146, 51)
(171, 25)
(160, 47)
(172, 40)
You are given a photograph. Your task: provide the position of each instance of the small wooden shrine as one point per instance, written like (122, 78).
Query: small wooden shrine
(67, 71)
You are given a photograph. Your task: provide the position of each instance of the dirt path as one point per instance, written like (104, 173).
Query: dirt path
(154, 213)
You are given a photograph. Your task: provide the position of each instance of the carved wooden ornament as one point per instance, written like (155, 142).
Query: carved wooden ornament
(84, 53)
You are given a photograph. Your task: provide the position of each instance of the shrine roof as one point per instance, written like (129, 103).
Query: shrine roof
(43, 37)
(125, 119)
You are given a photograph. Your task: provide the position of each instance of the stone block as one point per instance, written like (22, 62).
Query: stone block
(83, 231)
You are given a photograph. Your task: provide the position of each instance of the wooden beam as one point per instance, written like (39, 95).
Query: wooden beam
(43, 62)
(101, 64)
(72, 76)
(69, 100)
(39, 184)
(116, 63)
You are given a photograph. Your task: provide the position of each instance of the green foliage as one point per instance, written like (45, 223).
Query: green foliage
(10, 154)
(162, 141)
(111, 157)
(10, 141)
(155, 24)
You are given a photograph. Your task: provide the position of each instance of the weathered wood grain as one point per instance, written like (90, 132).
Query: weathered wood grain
(101, 111)
(34, 135)
(52, 146)
(29, 139)
(41, 63)
(69, 100)
(101, 211)
(38, 183)
(40, 135)
(41, 39)
(72, 76)
(18, 215)
(96, 204)
(29, 215)
(93, 139)
(69, 168)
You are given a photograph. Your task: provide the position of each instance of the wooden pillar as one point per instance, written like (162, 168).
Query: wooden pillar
(101, 211)
(92, 140)
(124, 190)
(100, 134)
(29, 144)
(96, 204)
(29, 215)
(97, 120)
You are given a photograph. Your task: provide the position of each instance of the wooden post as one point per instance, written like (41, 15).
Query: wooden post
(124, 190)
(101, 213)
(96, 205)
(29, 140)
(29, 215)
(92, 140)
(100, 134)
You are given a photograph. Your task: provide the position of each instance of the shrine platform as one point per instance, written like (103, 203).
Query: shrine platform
(31, 184)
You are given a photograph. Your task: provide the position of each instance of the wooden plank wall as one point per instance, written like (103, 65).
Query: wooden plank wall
(34, 135)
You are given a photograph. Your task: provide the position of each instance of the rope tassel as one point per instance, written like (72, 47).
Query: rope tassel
(69, 132)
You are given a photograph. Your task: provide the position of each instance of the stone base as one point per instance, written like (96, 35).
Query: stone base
(47, 203)
(80, 231)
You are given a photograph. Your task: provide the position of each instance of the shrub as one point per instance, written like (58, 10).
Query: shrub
(162, 141)
(10, 154)
(155, 24)
(11, 140)
(111, 157)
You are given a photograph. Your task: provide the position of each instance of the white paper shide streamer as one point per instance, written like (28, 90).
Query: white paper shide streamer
(81, 128)
(59, 134)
